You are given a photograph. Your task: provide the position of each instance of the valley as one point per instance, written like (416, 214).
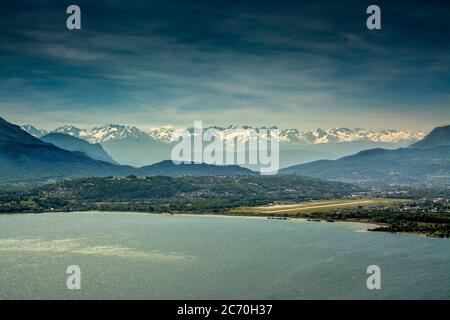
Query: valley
(222, 151)
(403, 190)
(286, 197)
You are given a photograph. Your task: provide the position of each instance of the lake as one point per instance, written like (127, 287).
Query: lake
(149, 256)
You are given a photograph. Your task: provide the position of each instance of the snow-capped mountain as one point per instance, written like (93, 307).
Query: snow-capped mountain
(33, 131)
(134, 146)
(335, 135)
(314, 136)
(113, 132)
(165, 134)
(108, 132)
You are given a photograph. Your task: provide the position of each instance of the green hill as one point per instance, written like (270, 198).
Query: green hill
(168, 168)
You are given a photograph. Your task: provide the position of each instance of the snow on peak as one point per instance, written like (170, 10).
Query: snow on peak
(33, 131)
(108, 132)
(167, 134)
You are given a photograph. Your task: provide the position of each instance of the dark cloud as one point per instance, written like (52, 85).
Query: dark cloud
(288, 63)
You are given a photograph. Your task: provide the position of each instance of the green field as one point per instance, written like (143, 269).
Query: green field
(317, 206)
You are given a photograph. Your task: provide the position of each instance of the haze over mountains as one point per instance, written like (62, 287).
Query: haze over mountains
(27, 159)
(439, 136)
(133, 146)
(71, 143)
(24, 157)
(426, 163)
(110, 132)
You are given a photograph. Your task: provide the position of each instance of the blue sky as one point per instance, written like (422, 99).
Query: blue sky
(301, 64)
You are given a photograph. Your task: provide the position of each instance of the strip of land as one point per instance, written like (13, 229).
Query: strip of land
(301, 207)
(388, 214)
(319, 206)
(276, 197)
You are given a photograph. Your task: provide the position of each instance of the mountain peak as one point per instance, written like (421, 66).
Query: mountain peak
(71, 143)
(116, 132)
(439, 136)
(107, 132)
(33, 131)
(11, 133)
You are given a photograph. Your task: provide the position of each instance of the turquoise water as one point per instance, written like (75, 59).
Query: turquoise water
(144, 256)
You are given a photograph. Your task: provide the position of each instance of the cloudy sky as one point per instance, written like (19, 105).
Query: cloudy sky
(300, 64)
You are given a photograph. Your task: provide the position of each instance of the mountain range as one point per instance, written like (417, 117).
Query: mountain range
(439, 136)
(111, 132)
(426, 163)
(71, 143)
(133, 146)
(24, 157)
(27, 159)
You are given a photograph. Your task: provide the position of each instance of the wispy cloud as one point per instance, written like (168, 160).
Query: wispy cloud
(153, 62)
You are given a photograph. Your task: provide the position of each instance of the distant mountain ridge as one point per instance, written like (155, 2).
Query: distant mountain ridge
(71, 143)
(25, 158)
(168, 168)
(439, 136)
(33, 131)
(133, 146)
(426, 163)
(108, 132)
(114, 132)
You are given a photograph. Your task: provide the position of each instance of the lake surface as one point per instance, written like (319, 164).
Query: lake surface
(145, 256)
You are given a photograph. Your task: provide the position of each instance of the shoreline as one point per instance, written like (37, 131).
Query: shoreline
(369, 224)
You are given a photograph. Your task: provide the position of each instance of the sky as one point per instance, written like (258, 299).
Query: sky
(291, 64)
